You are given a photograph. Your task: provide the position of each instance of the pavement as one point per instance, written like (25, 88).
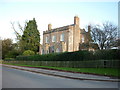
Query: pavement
(63, 74)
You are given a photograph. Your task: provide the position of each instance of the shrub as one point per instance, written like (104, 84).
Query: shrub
(28, 53)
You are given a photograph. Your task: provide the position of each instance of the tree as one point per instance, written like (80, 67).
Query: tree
(14, 51)
(6, 46)
(117, 43)
(104, 35)
(9, 49)
(29, 38)
(20, 43)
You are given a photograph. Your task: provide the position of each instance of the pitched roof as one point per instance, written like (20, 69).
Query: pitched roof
(83, 31)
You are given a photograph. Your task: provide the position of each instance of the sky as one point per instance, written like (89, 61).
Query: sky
(58, 13)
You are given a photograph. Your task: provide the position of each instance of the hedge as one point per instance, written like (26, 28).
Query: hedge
(74, 56)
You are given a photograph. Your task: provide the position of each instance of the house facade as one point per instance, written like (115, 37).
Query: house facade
(64, 39)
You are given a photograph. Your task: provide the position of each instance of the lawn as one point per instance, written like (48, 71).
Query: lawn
(100, 71)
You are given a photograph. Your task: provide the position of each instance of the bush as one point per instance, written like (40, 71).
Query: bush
(28, 53)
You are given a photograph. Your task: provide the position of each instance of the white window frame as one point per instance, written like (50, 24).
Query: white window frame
(83, 39)
(47, 40)
(53, 38)
(62, 37)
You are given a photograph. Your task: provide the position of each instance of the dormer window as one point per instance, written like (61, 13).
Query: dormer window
(62, 37)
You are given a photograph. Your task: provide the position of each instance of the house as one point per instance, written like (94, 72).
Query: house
(64, 39)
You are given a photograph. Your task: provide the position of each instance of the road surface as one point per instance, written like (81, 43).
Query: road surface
(14, 78)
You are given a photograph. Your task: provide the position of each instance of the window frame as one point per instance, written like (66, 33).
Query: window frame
(46, 39)
(53, 38)
(83, 39)
(62, 37)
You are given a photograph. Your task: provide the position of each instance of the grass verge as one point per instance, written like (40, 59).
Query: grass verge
(100, 71)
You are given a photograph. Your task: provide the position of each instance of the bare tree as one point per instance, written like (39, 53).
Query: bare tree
(21, 29)
(19, 34)
(105, 35)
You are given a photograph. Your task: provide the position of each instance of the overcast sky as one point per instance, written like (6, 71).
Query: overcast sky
(58, 13)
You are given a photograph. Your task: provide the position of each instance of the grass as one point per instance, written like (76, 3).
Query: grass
(101, 71)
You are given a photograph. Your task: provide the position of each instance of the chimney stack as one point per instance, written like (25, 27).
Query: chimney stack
(76, 20)
(49, 26)
(89, 28)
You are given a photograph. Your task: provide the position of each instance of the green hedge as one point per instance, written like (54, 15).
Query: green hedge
(74, 56)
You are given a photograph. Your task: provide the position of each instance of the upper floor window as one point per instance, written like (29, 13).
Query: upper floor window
(53, 38)
(47, 39)
(83, 39)
(62, 37)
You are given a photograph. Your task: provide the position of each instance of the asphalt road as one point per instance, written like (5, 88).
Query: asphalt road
(13, 78)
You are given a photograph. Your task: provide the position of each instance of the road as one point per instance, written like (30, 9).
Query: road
(14, 78)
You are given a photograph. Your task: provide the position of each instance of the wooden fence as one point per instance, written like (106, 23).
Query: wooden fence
(72, 64)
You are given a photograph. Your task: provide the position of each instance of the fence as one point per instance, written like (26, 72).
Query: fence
(72, 64)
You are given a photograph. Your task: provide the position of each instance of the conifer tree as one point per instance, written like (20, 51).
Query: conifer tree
(31, 36)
